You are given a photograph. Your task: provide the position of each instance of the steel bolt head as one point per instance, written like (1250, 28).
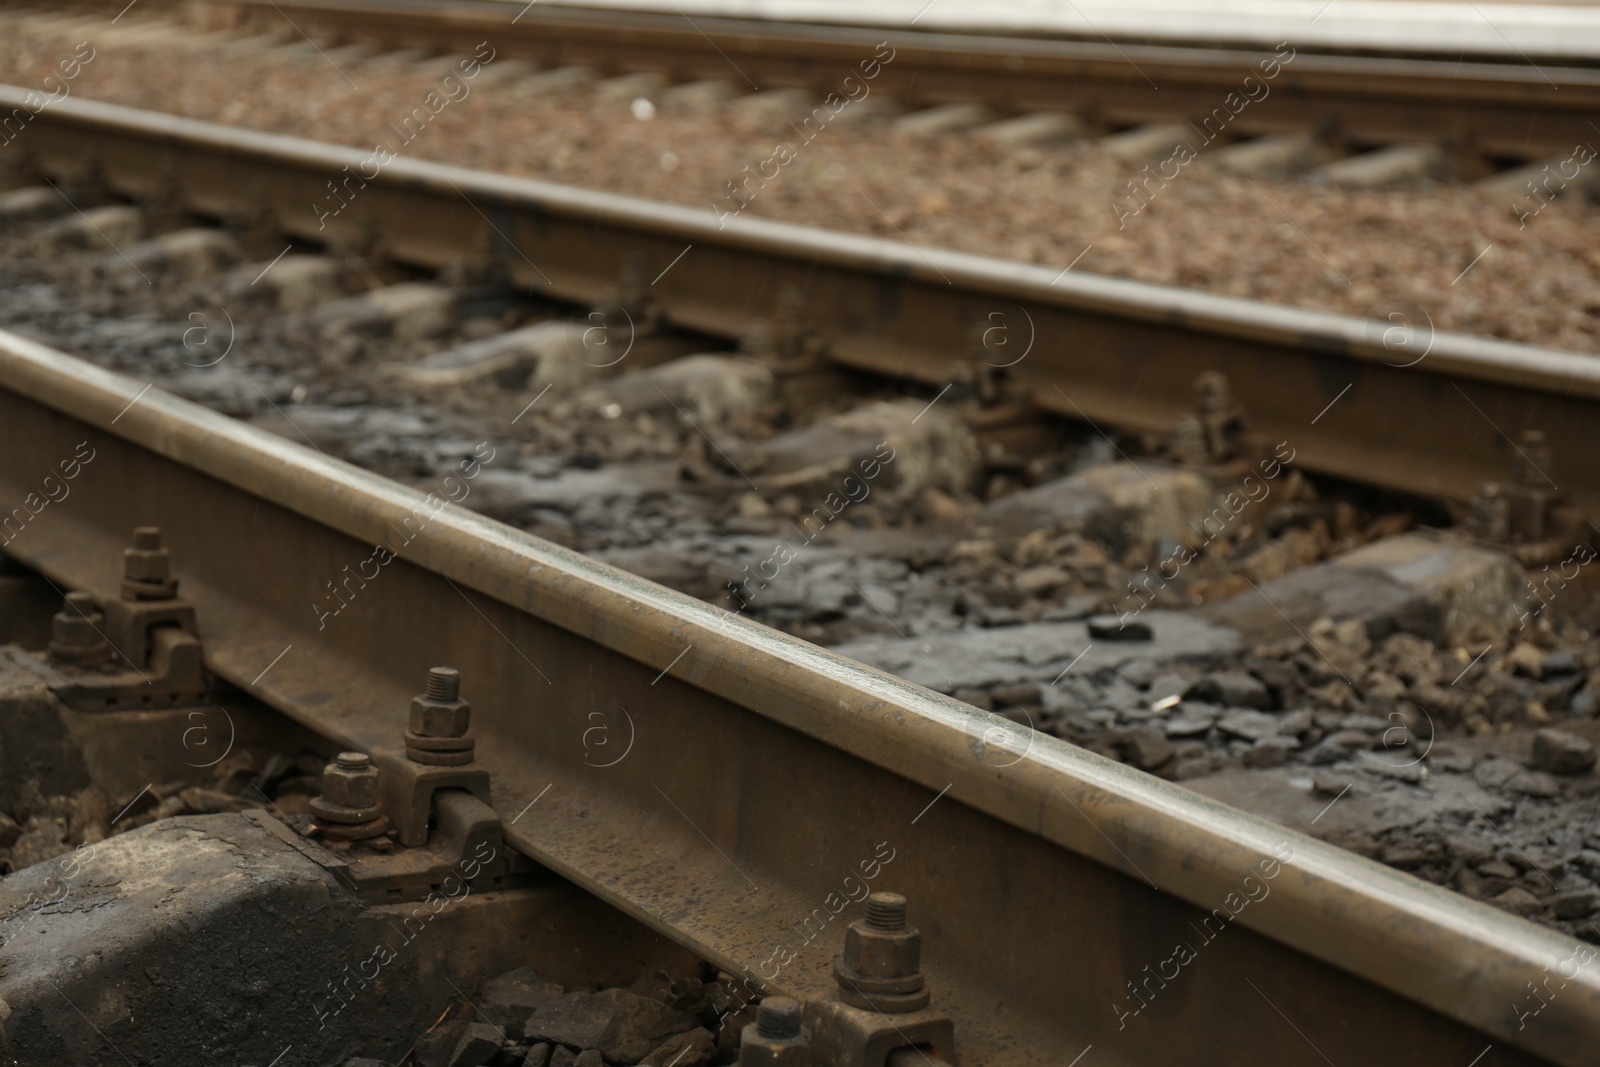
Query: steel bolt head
(350, 781)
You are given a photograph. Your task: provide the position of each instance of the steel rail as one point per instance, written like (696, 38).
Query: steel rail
(1117, 353)
(1513, 110)
(760, 773)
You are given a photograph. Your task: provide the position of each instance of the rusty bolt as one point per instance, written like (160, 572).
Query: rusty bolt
(75, 634)
(444, 683)
(146, 561)
(351, 781)
(147, 567)
(881, 968)
(776, 1038)
(439, 722)
(883, 946)
(348, 808)
(778, 1017)
(886, 911)
(440, 712)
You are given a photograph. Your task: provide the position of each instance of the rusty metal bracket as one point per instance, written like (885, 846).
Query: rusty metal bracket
(1527, 514)
(845, 1036)
(1214, 433)
(438, 755)
(171, 678)
(880, 1004)
(446, 831)
(408, 792)
(149, 629)
(467, 853)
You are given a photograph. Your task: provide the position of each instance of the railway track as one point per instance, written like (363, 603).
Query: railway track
(1507, 32)
(1115, 353)
(760, 770)
(762, 764)
(1347, 119)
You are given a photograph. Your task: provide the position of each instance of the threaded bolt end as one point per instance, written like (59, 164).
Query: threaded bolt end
(353, 761)
(147, 538)
(444, 683)
(886, 911)
(80, 604)
(778, 1018)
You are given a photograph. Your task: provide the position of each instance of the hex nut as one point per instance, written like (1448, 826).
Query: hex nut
(439, 718)
(71, 628)
(78, 622)
(880, 968)
(139, 565)
(147, 568)
(439, 722)
(758, 1051)
(75, 632)
(776, 1038)
(874, 953)
(350, 787)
